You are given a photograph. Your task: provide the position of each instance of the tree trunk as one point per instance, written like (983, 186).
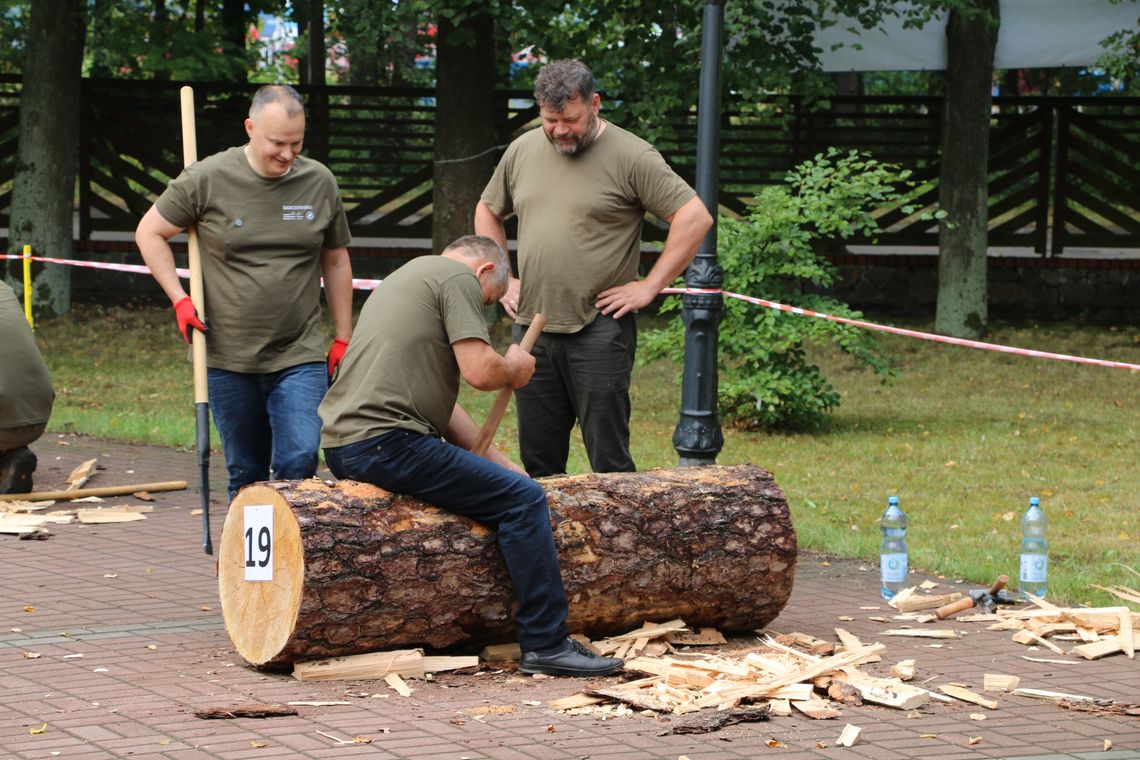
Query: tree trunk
(356, 569)
(464, 124)
(311, 63)
(43, 188)
(234, 27)
(962, 237)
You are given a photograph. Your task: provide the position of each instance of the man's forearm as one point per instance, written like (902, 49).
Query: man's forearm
(687, 229)
(336, 268)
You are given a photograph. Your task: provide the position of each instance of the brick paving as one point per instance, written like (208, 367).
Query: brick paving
(126, 621)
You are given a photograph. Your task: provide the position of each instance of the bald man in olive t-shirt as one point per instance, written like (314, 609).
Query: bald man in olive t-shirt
(394, 399)
(270, 224)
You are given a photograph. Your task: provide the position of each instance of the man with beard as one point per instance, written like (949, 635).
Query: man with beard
(580, 187)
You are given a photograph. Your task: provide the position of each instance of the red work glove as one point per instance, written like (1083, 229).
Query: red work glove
(336, 355)
(187, 317)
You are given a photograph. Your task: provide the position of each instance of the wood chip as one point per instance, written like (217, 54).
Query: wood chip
(80, 475)
(98, 516)
(501, 652)
(849, 737)
(244, 711)
(903, 670)
(397, 684)
(999, 682)
(923, 633)
(966, 695)
(1055, 696)
(367, 666)
(574, 701)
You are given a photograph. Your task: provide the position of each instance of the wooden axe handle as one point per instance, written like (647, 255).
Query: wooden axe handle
(499, 406)
(999, 584)
(953, 608)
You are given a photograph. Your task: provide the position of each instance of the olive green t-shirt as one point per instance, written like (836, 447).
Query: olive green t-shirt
(260, 240)
(580, 218)
(26, 394)
(400, 370)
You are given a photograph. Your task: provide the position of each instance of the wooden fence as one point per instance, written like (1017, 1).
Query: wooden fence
(1061, 171)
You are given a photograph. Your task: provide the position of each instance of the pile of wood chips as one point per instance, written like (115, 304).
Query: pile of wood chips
(30, 519)
(785, 671)
(1101, 630)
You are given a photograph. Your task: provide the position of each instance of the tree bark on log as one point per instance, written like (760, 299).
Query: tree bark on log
(358, 569)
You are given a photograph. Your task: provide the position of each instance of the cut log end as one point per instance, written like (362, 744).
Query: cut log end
(260, 615)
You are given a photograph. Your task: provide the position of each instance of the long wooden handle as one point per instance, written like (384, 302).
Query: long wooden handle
(82, 493)
(197, 294)
(499, 406)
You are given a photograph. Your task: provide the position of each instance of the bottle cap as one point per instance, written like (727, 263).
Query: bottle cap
(894, 500)
(1034, 501)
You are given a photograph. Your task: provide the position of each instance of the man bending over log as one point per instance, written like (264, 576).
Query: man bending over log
(395, 396)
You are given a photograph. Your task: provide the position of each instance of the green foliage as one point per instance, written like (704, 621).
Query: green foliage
(766, 379)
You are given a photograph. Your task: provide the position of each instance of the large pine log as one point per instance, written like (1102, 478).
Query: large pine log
(358, 569)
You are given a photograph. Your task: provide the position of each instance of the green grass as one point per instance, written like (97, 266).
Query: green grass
(963, 437)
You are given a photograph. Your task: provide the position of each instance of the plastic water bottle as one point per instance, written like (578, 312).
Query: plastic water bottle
(1034, 558)
(892, 552)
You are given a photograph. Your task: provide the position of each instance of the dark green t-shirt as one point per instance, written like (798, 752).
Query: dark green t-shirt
(580, 218)
(260, 240)
(400, 370)
(26, 394)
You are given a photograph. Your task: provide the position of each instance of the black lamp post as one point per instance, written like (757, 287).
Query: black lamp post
(697, 437)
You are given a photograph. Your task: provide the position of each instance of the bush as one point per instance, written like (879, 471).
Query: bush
(766, 379)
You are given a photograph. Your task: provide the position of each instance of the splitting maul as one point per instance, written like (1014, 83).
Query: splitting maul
(988, 599)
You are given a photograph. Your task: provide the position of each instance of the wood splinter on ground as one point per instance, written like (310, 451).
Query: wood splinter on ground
(244, 711)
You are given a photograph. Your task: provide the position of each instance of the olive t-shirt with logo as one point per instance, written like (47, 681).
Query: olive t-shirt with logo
(260, 239)
(26, 394)
(580, 218)
(400, 370)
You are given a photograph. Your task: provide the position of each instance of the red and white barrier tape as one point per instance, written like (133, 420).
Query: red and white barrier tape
(360, 284)
(911, 333)
(142, 269)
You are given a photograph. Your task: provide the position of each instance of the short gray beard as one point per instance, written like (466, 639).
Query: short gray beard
(580, 144)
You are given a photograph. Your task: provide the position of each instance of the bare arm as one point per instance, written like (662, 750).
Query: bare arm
(336, 268)
(483, 368)
(687, 228)
(152, 236)
(489, 224)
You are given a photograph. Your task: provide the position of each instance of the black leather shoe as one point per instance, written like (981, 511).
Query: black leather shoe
(570, 658)
(16, 468)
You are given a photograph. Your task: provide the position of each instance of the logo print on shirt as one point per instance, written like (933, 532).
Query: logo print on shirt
(297, 213)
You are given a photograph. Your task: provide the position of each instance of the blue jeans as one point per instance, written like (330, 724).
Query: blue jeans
(268, 422)
(458, 481)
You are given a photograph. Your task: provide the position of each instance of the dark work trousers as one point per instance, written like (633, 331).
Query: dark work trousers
(583, 377)
(454, 479)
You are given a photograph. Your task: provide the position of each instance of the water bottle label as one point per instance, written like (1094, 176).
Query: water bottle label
(893, 567)
(1034, 568)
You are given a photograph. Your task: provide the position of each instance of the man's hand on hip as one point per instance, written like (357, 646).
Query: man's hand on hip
(619, 301)
(510, 299)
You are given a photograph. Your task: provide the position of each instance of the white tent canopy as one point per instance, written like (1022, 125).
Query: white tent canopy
(1033, 33)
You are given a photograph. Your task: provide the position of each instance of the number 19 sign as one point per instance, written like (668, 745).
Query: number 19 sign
(258, 542)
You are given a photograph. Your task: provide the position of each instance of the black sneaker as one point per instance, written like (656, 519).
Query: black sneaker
(16, 468)
(570, 658)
